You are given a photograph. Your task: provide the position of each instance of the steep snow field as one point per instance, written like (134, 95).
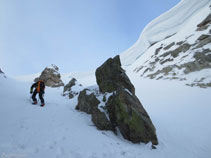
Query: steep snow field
(180, 114)
(164, 26)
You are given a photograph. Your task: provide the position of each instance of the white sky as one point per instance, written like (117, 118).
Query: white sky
(76, 35)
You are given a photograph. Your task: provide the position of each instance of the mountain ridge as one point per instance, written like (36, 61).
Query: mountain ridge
(185, 55)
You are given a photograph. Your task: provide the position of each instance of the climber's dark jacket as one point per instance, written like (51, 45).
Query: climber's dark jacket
(39, 87)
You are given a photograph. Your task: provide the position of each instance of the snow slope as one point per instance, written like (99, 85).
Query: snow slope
(180, 114)
(162, 27)
(157, 63)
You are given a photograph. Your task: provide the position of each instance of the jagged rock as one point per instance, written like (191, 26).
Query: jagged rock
(202, 28)
(87, 101)
(124, 109)
(180, 43)
(111, 76)
(127, 113)
(158, 50)
(72, 88)
(101, 121)
(169, 46)
(202, 37)
(204, 24)
(204, 41)
(202, 61)
(201, 85)
(121, 105)
(51, 77)
(163, 71)
(182, 48)
(164, 61)
(68, 86)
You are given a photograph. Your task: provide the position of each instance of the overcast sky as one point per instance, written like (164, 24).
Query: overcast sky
(76, 35)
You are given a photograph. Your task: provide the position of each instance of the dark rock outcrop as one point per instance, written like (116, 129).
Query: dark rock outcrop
(127, 113)
(88, 103)
(202, 61)
(182, 48)
(169, 46)
(101, 121)
(68, 88)
(203, 40)
(110, 76)
(124, 109)
(204, 24)
(51, 77)
(120, 108)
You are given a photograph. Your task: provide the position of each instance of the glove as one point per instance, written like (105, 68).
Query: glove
(31, 91)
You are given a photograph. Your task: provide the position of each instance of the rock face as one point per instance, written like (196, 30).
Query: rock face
(72, 88)
(87, 102)
(51, 77)
(111, 76)
(127, 113)
(115, 105)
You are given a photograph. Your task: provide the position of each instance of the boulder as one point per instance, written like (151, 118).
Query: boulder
(87, 101)
(101, 121)
(51, 77)
(110, 76)
(127, 113)
(124, 108)
(72, 88)
(68, 86)
(121, 108)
